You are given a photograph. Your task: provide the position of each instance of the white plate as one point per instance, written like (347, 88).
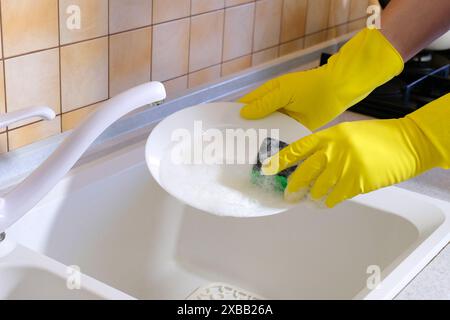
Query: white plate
(220, 188)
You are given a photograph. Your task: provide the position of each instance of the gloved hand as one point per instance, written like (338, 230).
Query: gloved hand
(358, 157)
(317, 96)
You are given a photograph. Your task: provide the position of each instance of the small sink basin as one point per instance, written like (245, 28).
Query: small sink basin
(32, 283)
(25, 275)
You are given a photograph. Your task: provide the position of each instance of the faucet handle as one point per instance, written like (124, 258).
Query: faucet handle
(9, 118)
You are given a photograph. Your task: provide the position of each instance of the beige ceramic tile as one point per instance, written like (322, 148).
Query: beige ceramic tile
(358, 9)
(201, 6)
(1, 51)
(3, 143)
(204, 76)
(84, 73)
(29, 25)
(267, 24)
(2, 92)
(164, 10)
(236, 65)
(170, 53)
(339, 12)
(128, 68)
(317, 16)
(238, 31)
(229, 3)
(294, 19)
(73, 119)
(129, 14)
(357, 25)
(33, 80)
(33, 132)
(337, 31)
(93, 15)
(264, 56)
(176, 86)
(316, 38)
(206, 40)
(292, 46)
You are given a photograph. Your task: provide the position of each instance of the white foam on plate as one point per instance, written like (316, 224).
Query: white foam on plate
(221, 189)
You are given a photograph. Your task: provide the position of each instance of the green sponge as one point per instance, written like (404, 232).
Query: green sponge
(278, 183)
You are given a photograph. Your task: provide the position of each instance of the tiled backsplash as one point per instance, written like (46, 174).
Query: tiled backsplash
(122, 43)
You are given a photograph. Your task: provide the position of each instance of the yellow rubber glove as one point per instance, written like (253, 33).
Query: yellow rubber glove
(358, 157)
(315, 97)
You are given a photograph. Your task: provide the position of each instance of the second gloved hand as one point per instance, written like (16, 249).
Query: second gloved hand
(315, 97)
(358, 157)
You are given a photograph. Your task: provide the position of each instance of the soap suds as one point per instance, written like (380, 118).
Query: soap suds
(224, 190)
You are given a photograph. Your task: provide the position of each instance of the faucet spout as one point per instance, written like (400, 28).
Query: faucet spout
(27, 194)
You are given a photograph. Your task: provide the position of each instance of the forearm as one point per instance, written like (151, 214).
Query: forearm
(410, 25)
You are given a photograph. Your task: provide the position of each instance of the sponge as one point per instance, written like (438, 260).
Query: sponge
(278, 182)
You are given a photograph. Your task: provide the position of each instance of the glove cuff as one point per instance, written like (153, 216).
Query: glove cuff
(434, 121)
(388, 51)
(364, 63)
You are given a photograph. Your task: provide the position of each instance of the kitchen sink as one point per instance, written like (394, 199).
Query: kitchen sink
(113, 221)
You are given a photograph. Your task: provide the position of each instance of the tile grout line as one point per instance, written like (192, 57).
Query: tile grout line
(348, 15)
(306, 21)
(205, 12)
(281, 26)
(132, 29)
(4, 74)
(86, 106)
(189, 47)
(60, 67)
(305, 24)
(253, 51)
(330, 3)
(109, 51)
(56, 47)
(223, 40)
(151, 39)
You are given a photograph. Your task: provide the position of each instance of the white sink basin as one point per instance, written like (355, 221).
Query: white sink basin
(25, 274)
(112, 220)
(34, 283)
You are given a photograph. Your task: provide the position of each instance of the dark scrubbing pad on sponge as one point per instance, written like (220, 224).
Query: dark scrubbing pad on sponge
(278, 182)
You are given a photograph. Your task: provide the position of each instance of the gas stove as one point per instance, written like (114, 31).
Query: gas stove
(424, 79)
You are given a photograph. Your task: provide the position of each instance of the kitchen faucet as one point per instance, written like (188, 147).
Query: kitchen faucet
(27, 194)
